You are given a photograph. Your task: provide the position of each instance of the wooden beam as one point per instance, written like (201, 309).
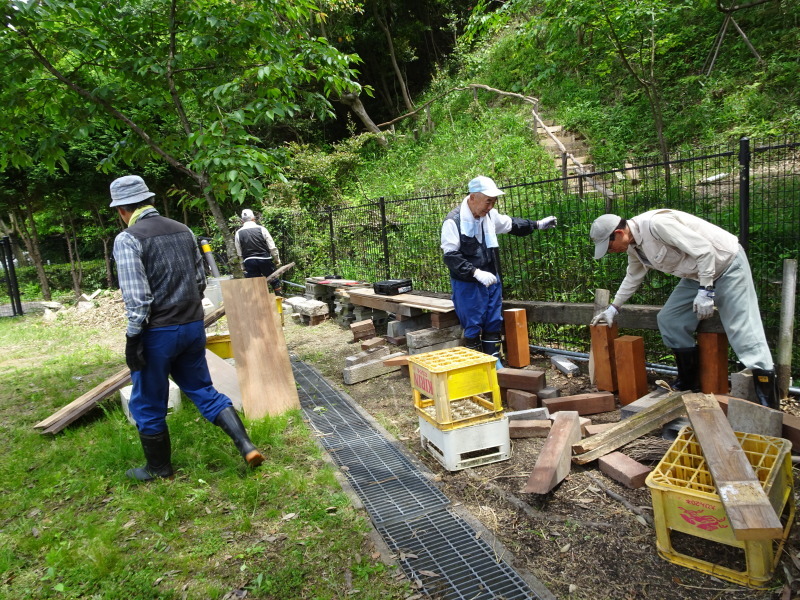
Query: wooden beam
(627, 430)
(262, 359)
(749, 510)
(602, 351)
(632, 316)
(713, 348)
(553, 463)
(518, 349)
(631, 371)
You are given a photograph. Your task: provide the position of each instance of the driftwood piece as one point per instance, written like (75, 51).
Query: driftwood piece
(615, 496)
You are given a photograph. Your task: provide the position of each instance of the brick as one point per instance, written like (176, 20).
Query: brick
(584, 404)
(527, 429)
(374, 342)
(528, 380)
(519, 400)
(598, 428)
(623, 469)
(444, 320)
(363, 330)
(548, 392)
(630, 366)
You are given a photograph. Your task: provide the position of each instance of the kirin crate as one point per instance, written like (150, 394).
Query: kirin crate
(449, 387)
(685, 500)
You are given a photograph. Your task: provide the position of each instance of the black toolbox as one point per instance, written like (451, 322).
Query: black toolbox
(392, 287)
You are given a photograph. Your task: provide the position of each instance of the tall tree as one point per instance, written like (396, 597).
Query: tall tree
(186, 83)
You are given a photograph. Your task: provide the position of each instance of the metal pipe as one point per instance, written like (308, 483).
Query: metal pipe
(783, 364)
(297, 285)
(664, 369)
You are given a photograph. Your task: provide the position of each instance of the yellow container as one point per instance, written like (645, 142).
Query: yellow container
(685, 500)
(449, 387)
(279, 304)
(220, 345)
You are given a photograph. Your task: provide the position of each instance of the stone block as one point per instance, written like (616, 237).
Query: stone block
(442, 346)
(425, 338)
(520, 428)
(401, 328)
(750, 417)
(532, 414)
(742, 385)
(366, 356)
(173, 401)
(548, 392)
(642, 403)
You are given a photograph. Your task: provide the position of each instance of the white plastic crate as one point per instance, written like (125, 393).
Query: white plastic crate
(467, 446)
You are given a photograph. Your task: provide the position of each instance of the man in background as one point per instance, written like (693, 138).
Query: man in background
(258, 252)
(162, 279)
(714, 273)
(469, 243)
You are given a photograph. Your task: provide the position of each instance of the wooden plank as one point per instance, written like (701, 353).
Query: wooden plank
(361, 295)
(553, 463)
(224, 378)
(632, 316)
(664, 411)
(747, 505)
(518, 350)
(262, 360)
(630, 367)
(713, 349)
(602, 350)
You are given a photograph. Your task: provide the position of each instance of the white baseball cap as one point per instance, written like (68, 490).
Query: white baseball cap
(601, 231)
(484, 185)
(247, 215)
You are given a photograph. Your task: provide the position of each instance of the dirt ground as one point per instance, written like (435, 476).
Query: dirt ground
(584, 540)
(578, 540)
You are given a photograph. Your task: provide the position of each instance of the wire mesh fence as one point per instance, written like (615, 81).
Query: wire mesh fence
(750, 188)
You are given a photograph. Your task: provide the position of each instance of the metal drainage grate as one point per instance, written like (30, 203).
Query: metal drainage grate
(441, 552)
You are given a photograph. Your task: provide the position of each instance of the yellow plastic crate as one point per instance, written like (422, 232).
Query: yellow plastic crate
(455, 387)
(685, 500)
(220, 345)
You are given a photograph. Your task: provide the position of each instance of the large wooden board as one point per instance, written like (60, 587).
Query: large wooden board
(262, 360)
(412, 300)
(747, 505)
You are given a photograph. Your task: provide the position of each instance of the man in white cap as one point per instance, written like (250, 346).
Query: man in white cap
(258, 252)
(469, 243)
(714, 272)
(162, 279)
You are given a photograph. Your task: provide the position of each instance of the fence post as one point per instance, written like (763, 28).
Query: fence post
(7, 257)
(329, 210)
(744, 192)
(384, 237)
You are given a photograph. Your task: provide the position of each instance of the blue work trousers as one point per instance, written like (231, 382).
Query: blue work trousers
(479, 308)
(179, 351)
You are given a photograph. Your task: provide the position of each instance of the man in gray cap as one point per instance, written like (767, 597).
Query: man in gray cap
(162, 279)
(714, 272)
(469, 243)
(258, 251)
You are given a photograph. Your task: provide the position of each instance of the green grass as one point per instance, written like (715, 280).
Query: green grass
(73, 526)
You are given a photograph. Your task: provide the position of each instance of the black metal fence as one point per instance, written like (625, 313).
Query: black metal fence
(750, 188)
(10, 279)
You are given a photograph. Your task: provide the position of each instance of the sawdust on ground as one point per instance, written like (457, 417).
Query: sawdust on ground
(578, 540)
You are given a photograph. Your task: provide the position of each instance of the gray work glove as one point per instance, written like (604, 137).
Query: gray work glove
(607, 316)
(546, 223)
(704, 304)
(485, 277)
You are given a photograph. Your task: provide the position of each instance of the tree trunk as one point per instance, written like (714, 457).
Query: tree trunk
(354, 102)
(393, 57)
(72, 254)
(106, 239)
(31, 241)
(16, 250)
(219, 219)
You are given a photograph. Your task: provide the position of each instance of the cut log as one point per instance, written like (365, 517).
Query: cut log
(554, 463)
(749, 510)
(664, 411)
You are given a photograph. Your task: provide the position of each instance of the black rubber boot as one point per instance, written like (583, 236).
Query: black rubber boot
(157, 452)
(228, 420)
(491, 346)
(766, 388)
(473, 343)
(688, 361)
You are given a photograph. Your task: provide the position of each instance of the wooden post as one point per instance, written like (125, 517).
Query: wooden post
(713, 363)
(630, 365)
(518, 351)
(783, 362)
(605, 368)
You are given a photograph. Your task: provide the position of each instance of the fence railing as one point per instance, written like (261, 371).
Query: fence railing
(749, 188)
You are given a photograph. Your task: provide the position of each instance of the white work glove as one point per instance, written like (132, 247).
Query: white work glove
(485, 277)
(546, 223)
(704, 304)
(607, 316)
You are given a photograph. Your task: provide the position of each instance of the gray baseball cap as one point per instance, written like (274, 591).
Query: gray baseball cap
(130, 189)
(601, 231)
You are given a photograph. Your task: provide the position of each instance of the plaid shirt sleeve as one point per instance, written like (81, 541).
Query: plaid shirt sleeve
(132, 281)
